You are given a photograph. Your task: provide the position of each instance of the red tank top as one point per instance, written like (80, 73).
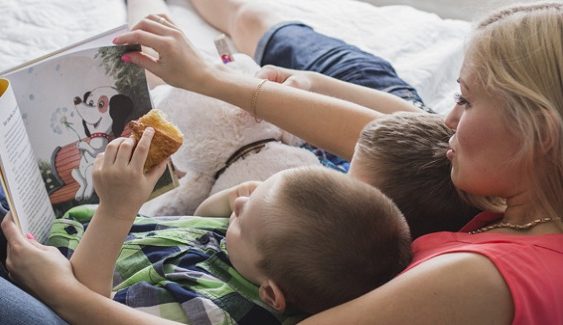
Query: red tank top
(532, 266)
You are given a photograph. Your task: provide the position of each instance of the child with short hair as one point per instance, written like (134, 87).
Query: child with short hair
(404, 155)
(307, 231)
(308, 238)
(303, 235)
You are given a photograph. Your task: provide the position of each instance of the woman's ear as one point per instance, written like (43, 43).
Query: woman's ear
(271, 294)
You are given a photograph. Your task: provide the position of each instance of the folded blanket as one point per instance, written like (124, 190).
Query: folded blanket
(176, 268)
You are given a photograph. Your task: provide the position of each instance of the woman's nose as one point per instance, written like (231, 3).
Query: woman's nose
(452, 119)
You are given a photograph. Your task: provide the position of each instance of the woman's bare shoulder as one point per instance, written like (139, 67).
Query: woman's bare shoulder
(460, 288)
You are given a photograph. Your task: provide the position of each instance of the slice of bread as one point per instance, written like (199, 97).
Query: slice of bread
(167, 137)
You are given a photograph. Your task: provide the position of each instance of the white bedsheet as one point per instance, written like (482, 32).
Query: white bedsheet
(31, 28)
(425, 49)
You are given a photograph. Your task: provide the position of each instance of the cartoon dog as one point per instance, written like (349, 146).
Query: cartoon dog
(104, 113)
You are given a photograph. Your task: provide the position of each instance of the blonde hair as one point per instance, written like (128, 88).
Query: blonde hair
(517, 52)
(330, 238)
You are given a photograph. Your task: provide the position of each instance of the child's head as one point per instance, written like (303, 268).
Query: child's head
(314, 238)
(404, 155)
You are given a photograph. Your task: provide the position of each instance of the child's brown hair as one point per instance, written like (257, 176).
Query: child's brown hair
(404, 155)
(339, 239)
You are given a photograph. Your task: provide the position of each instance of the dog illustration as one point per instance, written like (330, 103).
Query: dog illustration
(104, 113)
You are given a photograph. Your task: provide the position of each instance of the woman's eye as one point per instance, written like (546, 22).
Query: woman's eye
(461, 101)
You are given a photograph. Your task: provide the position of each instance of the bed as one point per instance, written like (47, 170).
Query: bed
(425, 49)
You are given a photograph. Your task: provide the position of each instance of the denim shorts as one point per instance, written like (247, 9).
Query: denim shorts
(297, 46)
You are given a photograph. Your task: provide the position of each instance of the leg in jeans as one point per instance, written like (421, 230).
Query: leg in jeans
(17, 307)
(261, 30)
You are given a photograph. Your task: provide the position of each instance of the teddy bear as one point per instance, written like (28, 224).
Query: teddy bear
(223, 146)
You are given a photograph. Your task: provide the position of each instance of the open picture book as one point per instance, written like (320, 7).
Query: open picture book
(57, 113)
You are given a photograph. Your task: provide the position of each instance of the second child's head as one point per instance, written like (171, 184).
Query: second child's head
(404, 155)
(313, 238)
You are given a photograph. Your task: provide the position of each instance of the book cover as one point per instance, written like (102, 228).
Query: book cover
(57, 114)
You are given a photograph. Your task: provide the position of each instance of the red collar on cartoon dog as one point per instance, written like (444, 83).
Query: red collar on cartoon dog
(101, 135)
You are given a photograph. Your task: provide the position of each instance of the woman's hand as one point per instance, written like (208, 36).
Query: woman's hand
(40, 269)
(178, 63)
(119, 177)
(47, 274)
(294, 78)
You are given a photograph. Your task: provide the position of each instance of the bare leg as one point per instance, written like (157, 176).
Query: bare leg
(136, 11)
(245, 21)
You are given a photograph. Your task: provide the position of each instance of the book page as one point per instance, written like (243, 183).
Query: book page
(24, 185)
(104, 39)
(73, 102)
(72, 106)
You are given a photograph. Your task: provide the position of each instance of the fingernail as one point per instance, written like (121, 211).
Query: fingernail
(125, 58)
(149, 130)
(30, 236)
(115, 40)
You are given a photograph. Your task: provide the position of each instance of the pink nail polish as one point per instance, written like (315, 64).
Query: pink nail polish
(114, 41)
(125, 58)
(30, 236)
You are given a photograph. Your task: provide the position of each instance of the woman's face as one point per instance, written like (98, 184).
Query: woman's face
(483, 146)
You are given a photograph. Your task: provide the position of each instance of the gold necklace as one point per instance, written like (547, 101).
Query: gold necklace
(513, 226)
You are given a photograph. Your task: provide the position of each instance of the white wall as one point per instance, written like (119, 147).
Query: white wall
(458, 9)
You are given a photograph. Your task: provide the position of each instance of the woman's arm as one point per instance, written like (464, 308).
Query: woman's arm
(322, 84)
(325, 121)
(456, 288)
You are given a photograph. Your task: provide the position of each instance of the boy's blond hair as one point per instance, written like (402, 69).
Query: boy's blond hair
(404, 155)
(332, 239)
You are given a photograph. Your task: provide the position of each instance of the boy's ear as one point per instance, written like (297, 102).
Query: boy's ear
(272, 295)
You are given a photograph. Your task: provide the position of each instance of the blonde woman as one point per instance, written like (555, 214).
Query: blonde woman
(503, 267)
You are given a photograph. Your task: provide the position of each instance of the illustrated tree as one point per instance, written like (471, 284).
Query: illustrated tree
(129, 79)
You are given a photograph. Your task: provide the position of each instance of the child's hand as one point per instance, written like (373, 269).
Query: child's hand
(178, 63)
(119, 179)
(221, 204)
(243, 189)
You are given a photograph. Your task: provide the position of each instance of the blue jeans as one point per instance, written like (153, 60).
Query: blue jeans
(17, 307)
(297, 46)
